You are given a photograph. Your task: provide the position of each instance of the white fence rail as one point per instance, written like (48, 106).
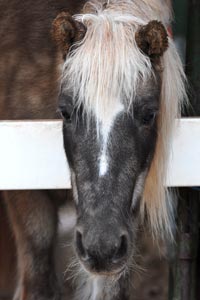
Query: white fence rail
(32, 155)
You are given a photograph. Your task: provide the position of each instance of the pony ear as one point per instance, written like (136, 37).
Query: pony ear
(66, 31)
(152, 39)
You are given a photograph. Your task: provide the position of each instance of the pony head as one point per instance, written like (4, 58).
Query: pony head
(121, 90)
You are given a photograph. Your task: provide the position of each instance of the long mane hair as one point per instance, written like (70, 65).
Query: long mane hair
(108, 65)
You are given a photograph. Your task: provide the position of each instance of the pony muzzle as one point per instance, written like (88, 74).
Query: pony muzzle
(104, 252)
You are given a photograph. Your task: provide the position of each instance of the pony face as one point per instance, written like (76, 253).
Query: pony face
(109, 165)
(116, 102)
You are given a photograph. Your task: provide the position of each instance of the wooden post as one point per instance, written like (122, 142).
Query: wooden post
(184, 270)
(193, 73)
(193, 54)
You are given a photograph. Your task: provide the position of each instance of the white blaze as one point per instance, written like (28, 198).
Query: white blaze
(105, 129)
(103, 165)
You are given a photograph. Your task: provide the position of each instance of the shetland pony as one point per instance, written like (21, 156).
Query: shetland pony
(121, 88)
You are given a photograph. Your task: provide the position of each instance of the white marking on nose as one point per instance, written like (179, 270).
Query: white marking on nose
(103, 164)
(105, 129)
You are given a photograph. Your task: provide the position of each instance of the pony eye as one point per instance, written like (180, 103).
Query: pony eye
(65, 115)
(148, 118)
(65, 106)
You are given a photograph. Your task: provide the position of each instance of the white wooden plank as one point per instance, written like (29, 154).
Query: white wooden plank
(32, 155)
(184, 165)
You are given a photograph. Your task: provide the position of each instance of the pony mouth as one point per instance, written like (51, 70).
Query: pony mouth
(105, 272)
(110, 274)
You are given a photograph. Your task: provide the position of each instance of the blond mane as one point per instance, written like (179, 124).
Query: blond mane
(107, 65)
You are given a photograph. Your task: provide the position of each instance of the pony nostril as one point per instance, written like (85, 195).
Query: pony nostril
(79, 244)
(122, 249)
